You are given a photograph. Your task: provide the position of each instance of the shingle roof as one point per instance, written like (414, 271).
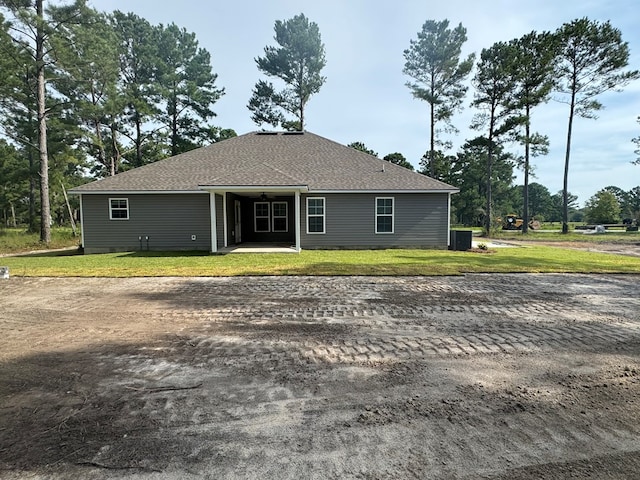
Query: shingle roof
(264, 159)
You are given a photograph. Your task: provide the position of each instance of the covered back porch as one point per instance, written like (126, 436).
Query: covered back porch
(255, 219)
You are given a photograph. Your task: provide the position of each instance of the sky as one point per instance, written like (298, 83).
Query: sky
(365, 98)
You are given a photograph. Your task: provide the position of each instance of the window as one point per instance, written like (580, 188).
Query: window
(118, 209)
(315, 215)
(279, 217)
(261, 217)
(384, 215)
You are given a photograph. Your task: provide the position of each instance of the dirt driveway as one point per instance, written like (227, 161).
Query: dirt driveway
(475, 377)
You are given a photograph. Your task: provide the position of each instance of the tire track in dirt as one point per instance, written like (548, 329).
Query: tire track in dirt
(365, 377)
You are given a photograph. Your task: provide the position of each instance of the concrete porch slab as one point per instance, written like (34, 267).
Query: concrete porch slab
(258, 248)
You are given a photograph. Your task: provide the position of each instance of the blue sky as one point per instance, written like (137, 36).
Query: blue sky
(365, 98)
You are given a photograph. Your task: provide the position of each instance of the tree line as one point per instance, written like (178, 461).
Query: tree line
(85, 94)
(579, 61)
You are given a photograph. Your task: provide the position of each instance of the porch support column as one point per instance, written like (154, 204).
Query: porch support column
(224, 217)
(449, 220)
(297, 209)
(212, 208)
(81, 221)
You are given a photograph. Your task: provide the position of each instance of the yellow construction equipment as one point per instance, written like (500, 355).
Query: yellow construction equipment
(512, 222)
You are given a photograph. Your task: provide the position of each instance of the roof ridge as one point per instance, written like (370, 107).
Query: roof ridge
(283, 173)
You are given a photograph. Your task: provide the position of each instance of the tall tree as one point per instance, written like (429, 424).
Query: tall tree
(398, 159)
(87, 73)
(535, 57)
(18, 110)
(187, 88)
(592, 60)
(31, 28)
(433, 61)
(495, 83)
(298, 62)
(138, 86)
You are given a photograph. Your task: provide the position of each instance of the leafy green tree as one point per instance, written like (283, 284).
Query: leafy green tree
(87, 73)
(14, 185)
(398, 159)
(138, 85)
(603, 207)
(219, 134)
(495, 84)
(633, 205)
(539, 201)
(18, 117)
(188, 89)
(440, 163)
(298, 63)
(9, 65)
(468, 173)
(621, 196)
(592, 61)
(31, 29)
(433, 61)
(535, 56)
(557, 206)
(363, 148)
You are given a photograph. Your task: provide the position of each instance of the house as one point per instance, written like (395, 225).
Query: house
(292, 188)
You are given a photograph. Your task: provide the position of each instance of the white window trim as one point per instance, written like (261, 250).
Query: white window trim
(393, 215)
(285, 216)
(111, 209)
(255, 217)
(324, 215)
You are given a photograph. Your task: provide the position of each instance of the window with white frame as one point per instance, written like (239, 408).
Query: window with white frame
(261, 217)
(279, 220)
(384, 214)
(118, 209)
(315, 215)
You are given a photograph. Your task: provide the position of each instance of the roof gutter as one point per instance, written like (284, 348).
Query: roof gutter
(130, 192)
(450, 190)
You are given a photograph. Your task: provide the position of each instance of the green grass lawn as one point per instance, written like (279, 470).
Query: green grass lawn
(533, 259)
(536, 258)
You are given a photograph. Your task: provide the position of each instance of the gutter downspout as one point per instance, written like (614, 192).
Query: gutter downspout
(297, 215)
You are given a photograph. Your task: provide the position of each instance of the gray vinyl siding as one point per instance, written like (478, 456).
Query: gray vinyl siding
(420, 220)
(168, 220)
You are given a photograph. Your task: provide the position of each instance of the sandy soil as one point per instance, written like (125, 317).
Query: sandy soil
(629, 249)
(475, 377)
